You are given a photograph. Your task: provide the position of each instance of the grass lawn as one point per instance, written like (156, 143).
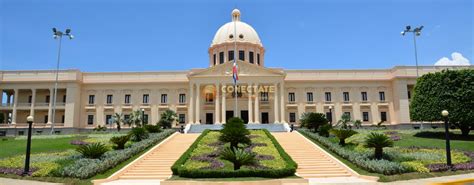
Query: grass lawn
(409, 140)
(12, 147)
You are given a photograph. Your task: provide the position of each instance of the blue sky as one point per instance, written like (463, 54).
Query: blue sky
(146, 35)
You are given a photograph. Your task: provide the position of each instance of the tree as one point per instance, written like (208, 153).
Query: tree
(234, 132)
(344, 122)
(167, 118)
(136, 118)
(343, 134)
(378, 141)
(451, 90)
(118, 120)
(312, 120)
(238, 157)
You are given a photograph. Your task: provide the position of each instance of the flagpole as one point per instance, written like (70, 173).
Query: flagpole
(235, 63)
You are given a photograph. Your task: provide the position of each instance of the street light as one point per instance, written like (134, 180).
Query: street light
(143, 117)
(445, 114)
(330, 113)
(416, 32)
(58, 35)
(26, 171)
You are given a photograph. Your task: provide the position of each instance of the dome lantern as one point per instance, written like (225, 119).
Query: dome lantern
(235, 15)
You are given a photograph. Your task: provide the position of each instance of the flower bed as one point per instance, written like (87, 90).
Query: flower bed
(396, 160)
(202, 160)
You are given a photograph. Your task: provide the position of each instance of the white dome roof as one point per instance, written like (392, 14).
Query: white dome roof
(245, 32)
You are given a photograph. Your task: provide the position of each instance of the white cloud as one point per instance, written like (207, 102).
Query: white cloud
(457, 60)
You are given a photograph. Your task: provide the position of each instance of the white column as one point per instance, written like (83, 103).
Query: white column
(282, 103)
(356, 111)
(191, 103)
(33, 100)
(50, 108)
(250, 110)
(216, 106)
(374, 113)
(257, 101)
(15, 102)
(223, 112)
(275, 105)
(198, 106)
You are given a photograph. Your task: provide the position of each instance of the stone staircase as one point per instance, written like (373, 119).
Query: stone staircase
(312, 161)
(198, 128)
(156, 163)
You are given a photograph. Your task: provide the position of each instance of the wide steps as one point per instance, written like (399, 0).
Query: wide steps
(274, 127)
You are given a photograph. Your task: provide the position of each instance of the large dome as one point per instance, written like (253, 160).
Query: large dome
(245, 32)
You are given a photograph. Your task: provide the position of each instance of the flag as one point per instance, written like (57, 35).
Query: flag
(234, 73)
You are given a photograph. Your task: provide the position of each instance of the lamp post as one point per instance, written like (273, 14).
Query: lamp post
(416, 32)
(58, 35)
(445, 114)
(26, 171)
(330, 113)
(143, 117)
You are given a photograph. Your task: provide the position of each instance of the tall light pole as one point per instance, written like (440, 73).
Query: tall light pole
(445, 114)
(58, 35)
(416, 32)
(26, 170)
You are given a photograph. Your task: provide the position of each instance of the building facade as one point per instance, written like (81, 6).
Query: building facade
(206, 96)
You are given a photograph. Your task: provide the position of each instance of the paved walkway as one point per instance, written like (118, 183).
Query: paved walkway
(6, 181)
(314, 163)
(155, 165)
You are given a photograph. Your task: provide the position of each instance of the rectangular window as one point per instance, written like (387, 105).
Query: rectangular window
(209, 97)
(164, 98)
(346, 96)
(90, 119)
(329, 116)
(181, 118)
(214, 59)
(109, 99)
(365, 116)
(62, 119)
(291, 97)
(182, 98)
(383, 116)
(45, 119)
(264, 96)
(108, 119)
(328, 96)
(241, 55)
(127, 98)
(64, 99)
(47, 99)
(91, 99)
(258, 58)
(221, 57)
(364, 96)
(382, 96)
(251, 57)
(309, 96)
(126, 118)
(292, 117)
(409, 94)
(230, 55)
(145, 118)
(146, 98)
(30, 98)
(347, 113)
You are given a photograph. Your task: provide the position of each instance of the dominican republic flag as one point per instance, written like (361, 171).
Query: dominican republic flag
(234, 73)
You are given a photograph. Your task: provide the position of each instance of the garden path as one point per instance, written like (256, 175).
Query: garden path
(314, 162)
(155, 165)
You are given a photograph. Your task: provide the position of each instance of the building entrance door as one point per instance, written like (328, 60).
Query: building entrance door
(228, 114)
(265, 117)
(244, 114)
(209, 118)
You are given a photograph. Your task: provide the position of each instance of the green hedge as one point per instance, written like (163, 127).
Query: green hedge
(289, 169)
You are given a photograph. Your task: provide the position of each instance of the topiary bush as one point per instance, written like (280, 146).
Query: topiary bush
(153, 128)
(138, 134)
(378, 141)
(120, 141)
(92, 151)
(235, 132)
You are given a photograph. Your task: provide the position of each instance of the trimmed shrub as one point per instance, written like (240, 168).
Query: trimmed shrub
(313, 120)
(84, 168)
(100, 128)
(378, 141)
(153, 128)
(92, 151)
(138, 134)
(324, 130)
(120, 141)
(235, 132)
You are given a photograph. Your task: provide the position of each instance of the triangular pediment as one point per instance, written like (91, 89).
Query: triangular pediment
(244, 68)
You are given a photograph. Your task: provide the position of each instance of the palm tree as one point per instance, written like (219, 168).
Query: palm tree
(136, 118)
(118, 119)
(344, 122)
(378, 141)
(167, 118)
(343, 134)
(238, 157)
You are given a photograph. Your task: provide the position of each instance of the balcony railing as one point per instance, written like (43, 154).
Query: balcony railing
(7, 104)
(23, 104)
(39, 104)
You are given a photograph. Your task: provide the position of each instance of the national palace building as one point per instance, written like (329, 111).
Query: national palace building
(206, 96)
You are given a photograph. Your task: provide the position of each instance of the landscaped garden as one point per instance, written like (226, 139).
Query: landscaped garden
(235, 152)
